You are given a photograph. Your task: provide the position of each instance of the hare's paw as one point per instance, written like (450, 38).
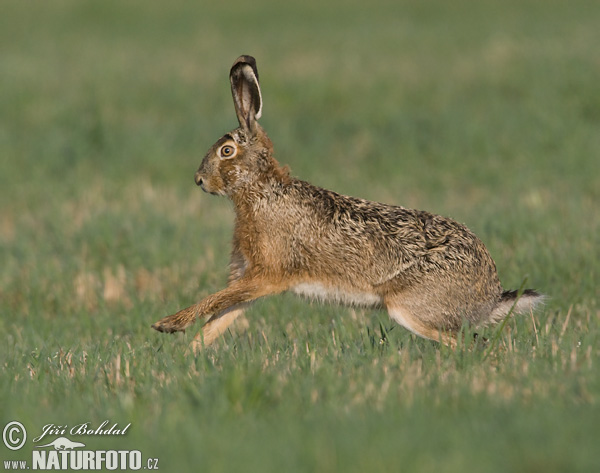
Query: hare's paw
(177, 322)
(167, 324)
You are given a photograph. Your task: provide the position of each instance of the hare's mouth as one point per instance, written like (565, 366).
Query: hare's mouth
(198, 179)
(200, 182)
(205, 186)
(202, 186)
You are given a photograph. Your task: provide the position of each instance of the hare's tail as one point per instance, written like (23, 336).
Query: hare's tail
(511, 301)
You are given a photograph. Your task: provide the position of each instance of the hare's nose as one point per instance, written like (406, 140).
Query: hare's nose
(198, 179)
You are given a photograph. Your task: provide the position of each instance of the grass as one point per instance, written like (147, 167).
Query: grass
(484, 111)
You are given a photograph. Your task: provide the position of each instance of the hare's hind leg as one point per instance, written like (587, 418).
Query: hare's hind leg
(402, 315)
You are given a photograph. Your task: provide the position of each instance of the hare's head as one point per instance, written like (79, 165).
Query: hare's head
(243, 156)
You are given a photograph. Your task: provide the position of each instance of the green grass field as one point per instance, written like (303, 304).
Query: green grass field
(485, 111)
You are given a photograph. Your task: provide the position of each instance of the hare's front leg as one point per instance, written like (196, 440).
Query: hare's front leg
(216, 325)
(238, 292)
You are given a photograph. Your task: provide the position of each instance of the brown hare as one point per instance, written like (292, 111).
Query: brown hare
(430, 273)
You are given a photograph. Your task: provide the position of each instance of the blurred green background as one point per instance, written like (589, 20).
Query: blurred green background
(485, 111)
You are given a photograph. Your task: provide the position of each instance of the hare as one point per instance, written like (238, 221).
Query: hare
(429, 272)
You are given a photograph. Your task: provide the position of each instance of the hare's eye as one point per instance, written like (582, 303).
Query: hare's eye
(227, 151)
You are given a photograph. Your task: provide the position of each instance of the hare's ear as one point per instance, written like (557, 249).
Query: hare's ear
(246, 92)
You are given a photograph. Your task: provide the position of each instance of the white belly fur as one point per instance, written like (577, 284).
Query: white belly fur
(316, 290)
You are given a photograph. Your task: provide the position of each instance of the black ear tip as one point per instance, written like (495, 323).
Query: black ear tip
(245, 60)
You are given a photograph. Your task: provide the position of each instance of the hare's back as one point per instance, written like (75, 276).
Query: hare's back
(382, 241)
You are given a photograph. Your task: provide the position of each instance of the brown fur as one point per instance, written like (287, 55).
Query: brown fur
(431, 273)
